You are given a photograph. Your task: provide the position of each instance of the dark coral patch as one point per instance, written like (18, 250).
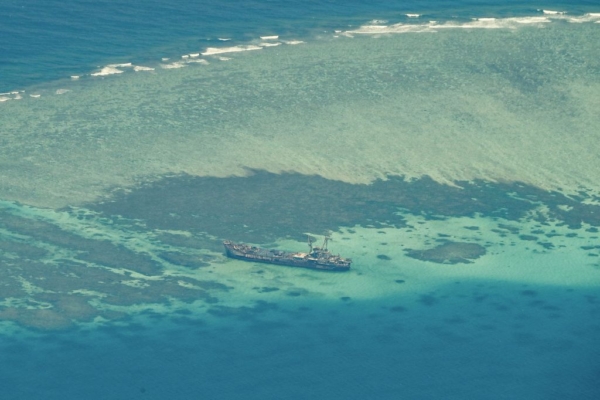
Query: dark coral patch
(528, 237)
(263, 203)
(428, 300)
(266, 289)
(449, 253)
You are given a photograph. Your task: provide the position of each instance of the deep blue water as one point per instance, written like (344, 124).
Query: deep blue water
(447, 347)
(54, 39)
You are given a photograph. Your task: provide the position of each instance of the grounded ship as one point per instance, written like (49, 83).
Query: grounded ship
(317, 258)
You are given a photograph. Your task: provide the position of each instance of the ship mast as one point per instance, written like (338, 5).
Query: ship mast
(309, 243)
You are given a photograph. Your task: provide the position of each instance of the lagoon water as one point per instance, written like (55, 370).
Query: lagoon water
(449, 148)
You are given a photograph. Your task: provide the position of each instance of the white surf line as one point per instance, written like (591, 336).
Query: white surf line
(270, 44)
(210, 51)
(139, 68)
(112, 69)
(375, 27)
(551, 12)
(15, 95)
(108, 70)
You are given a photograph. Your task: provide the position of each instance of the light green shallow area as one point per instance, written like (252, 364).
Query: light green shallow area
(557, 257)
(456, 104)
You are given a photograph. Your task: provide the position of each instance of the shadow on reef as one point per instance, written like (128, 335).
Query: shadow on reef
(263, 207)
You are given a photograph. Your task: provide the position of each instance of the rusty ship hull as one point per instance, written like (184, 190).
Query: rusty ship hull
(319, 259)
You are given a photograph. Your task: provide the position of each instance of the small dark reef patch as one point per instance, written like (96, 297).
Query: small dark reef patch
(449, 253)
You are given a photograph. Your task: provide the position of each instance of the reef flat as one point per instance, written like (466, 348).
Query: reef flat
(112, 259)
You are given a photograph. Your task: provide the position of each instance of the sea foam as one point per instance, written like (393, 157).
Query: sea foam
(108, 70)
(432, 26)
(174, 65)
(269, 44)
(551, 12)
(138, 68)
(234, 49)
(197, 61)
(590, 17)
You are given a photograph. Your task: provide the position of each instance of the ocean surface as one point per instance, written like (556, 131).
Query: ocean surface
(450, 148)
